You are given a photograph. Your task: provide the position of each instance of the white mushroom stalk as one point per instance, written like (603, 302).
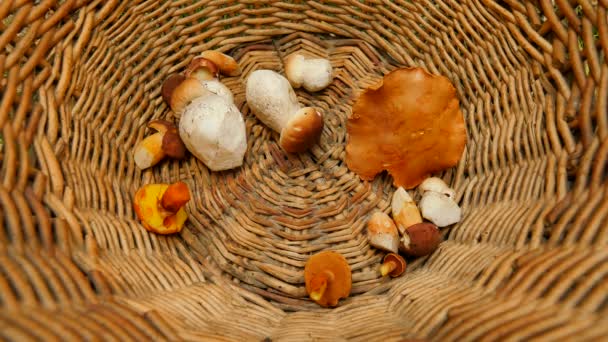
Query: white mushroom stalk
(273, 101)
(313, 74)
(437, 204)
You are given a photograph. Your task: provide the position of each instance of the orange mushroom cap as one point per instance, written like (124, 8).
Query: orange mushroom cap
(393, 265)
(328, 278)
(410, 124)
(160, 207)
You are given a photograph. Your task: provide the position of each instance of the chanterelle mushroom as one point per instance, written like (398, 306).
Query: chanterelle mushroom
(328, 278)
(160, 207)
(273, 101)
(410, 125)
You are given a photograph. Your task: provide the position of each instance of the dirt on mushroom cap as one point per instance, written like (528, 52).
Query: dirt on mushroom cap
(410, 125)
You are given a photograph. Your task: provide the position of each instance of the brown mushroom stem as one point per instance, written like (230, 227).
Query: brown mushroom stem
(175, 197)
(387, 267)
(318, 284)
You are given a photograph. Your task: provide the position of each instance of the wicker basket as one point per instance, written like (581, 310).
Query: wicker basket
(79, 80)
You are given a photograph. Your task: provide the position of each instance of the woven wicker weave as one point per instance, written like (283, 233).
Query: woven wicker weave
(79, 80)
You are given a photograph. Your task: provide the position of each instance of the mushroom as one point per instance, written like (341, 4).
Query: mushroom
(312, 73)
(410, 124)
(273, 101)
(404, 210)
(328, 278)
(440, 209)
(155, 147)
(226, 64)
(211, 126)
(436, 184)
(382, 232)
(393, 265)
(420, 239)
(207, 73)
(160, 207)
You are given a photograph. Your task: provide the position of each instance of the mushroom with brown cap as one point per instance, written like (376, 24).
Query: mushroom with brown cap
(273, 101)
(211, 126)
(328, 278)
(313, 74)
(166, 142)
(404, 210)
(382, 232)
(410, 124)
(207, 73)
(393, 264)
(420, 239)
(226, 64)
(160, 207)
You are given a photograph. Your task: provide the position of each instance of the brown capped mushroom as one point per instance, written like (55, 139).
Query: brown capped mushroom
(273, 101)
(328, 278)
(420, 239)
(393, 265)
(202, 69)
(410, 124)
(227, 65)
(382, 232)
(154, 148)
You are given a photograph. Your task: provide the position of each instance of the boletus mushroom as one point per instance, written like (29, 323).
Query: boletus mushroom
(382, 232)
(211, 126)
(313, 74)
(404, 210)
(166, 142)
(328, 278)
(420, 239)
(207, 73)
(438, 204)
(393, 264)
(409, 124)
(273, 101)
(160, 207)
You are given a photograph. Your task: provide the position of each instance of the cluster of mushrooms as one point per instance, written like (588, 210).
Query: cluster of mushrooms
(409, 124)
(212, 128)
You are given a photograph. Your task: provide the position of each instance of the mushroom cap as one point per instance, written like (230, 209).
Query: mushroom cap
(382, 232)
(440, 209)
(410, 124)
(399, 262)
(213, 130)
(149, 211)
(172, 144)
(271, 98)
(335, 264)
(420, 239)
(294, 69)
(186, 92)
(227, 65)
(202, 69)
(436, 184)
(303, 130)
(169, 86)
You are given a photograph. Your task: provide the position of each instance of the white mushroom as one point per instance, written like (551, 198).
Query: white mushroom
(312, 73)
(382, 232)
(273, 101)
(436, 184)
(207, 73)
(211, 126)
(404, 210)
(440, 209)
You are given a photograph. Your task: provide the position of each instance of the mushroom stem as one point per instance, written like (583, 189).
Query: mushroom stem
(175, 197)
(318, 285)
(388, 267)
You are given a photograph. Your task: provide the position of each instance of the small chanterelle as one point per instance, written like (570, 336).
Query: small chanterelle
(328, 278)
(273, 101)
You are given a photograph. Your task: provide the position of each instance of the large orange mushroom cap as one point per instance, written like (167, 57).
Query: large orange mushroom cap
(410, 124)
(328, 278)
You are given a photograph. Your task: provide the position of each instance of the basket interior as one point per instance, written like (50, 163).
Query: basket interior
(79, 81)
